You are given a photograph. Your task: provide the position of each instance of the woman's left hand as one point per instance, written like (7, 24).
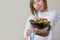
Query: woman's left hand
(49, 28)
(44, 34)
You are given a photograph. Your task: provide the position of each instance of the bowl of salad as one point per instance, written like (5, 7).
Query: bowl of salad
(40, 24)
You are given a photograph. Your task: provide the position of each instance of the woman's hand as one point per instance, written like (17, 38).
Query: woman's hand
(31, 29)
(37, 31)
(28, 32)
(49, 28)
(44, 34)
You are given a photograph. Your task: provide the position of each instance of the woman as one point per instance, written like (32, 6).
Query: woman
(43, 12)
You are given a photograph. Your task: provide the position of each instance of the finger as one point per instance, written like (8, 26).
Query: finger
(37, 31)
(49, 28)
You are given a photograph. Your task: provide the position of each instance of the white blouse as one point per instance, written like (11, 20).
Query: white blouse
(52, 16)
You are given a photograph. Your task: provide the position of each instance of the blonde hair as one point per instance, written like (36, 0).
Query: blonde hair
(33, 9)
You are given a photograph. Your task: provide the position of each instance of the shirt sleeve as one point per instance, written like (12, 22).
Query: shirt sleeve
(27, 26)
(54, 19)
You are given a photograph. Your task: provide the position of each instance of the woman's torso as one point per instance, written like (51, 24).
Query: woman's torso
(49, 16)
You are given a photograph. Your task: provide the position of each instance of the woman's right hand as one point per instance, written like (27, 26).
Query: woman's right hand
(31, 29)
(34, 30)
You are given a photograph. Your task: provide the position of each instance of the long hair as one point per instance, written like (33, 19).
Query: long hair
(33, 9)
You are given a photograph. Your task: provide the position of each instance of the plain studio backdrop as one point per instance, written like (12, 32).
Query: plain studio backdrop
(13, 16)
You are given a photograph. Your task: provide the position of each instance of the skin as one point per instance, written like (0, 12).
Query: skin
(38, 5)
(37, 32)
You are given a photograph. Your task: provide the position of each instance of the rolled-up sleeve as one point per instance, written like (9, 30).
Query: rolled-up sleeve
(55, 18)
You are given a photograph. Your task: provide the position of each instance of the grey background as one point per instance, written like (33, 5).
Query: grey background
(13, 16)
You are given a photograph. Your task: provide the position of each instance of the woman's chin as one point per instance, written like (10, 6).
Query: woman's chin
(38, 8)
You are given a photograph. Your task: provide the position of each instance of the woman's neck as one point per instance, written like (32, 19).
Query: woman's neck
(42, 11)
